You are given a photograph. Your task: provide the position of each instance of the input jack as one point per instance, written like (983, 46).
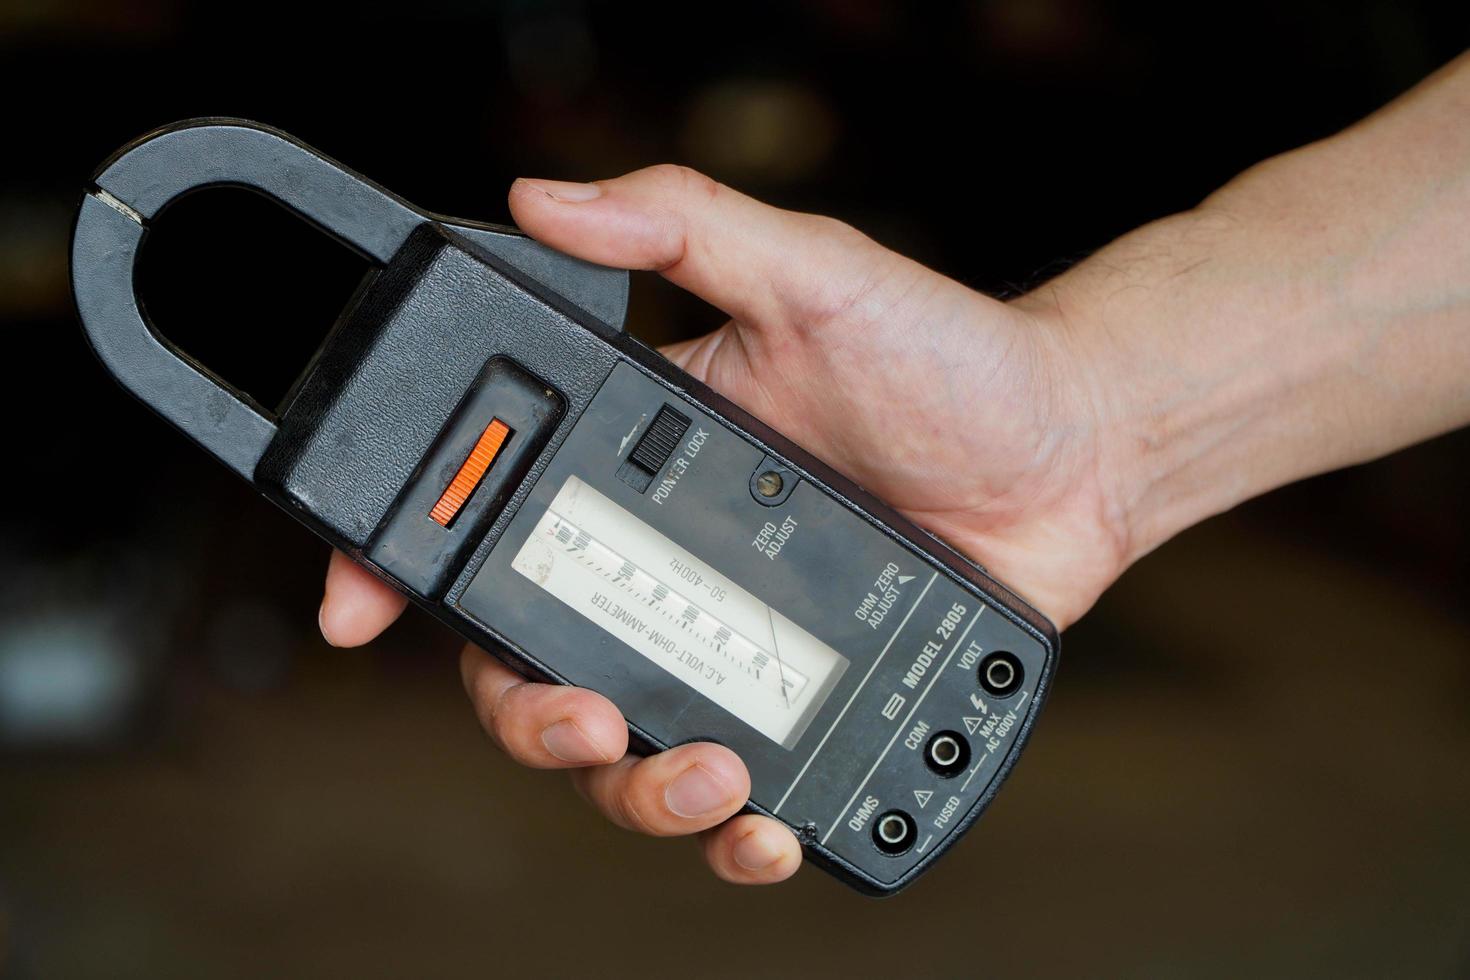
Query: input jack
(894, 832)
(947, 753)
(1000, 674)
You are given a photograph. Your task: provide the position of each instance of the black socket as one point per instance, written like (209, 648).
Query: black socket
(895, 832)
(947, 753)
(1000, 674)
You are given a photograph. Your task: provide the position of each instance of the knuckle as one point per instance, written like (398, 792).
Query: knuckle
(617, 796)
(502, 732)
(483, 697)
(632, 816)
(506, 716)
(610, 789)
(501, 698)
(685, 181)
(835, 230)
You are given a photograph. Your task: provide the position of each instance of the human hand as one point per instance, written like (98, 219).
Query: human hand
(838, 343)
(1277, 330)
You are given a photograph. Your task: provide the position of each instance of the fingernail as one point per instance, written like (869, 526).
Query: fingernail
(754, 853)
(321, 620)
(563, 190)
(570, 744)
(695, 792)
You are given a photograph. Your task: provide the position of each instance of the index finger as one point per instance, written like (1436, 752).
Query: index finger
(356, 606)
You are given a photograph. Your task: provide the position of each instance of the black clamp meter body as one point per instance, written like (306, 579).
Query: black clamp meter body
(480, 432)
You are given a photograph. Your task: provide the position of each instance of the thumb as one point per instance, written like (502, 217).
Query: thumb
(758, 263)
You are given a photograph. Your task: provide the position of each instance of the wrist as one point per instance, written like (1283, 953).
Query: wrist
(1188, 335)
(1308, 316)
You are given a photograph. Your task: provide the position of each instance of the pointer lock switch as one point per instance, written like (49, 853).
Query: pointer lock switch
(653, 448)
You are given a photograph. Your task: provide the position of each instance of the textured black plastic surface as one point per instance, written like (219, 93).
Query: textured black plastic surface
(145, 176)
(149, 173)
(425, 555)
(224, 421)
(153, 171)
(394, 371)
(601, 291)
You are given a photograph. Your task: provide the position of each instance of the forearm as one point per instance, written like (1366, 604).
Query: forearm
(1312, 314)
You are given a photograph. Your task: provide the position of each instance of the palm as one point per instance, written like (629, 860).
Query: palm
(942, 402)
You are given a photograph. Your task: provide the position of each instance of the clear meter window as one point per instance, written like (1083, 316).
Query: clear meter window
(679, 612)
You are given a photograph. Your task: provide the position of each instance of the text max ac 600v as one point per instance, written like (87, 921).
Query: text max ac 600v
(479, 432)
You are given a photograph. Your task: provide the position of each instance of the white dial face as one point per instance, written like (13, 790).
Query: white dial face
(680, 613)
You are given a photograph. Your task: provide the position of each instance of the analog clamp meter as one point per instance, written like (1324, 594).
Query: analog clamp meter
(480, 433)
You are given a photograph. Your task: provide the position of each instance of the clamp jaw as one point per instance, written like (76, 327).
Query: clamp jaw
(144, 177)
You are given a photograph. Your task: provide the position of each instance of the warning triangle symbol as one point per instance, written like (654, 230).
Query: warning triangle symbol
(972, 724)
(905, 579)
(922, 795)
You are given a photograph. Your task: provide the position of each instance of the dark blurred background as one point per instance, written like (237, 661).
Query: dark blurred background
(1256, 757)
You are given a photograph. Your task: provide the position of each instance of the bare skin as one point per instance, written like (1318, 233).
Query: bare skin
(1312, 314)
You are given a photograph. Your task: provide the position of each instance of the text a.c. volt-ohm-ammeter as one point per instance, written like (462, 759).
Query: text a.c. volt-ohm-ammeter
(480, 432)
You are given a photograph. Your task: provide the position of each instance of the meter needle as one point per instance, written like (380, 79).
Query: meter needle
(776, 651)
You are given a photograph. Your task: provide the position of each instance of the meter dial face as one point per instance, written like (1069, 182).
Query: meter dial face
(679, 612)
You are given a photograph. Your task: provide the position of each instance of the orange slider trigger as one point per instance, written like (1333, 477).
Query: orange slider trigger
(471, 472)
